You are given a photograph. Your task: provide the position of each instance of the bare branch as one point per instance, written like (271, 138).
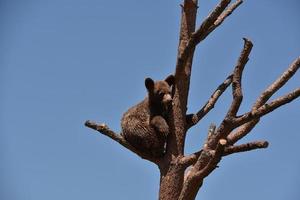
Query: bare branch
(195, 118)
(198, 36)
(241, 131)
(209, 21)
(197, 158)
(188, 23)
(202, 160)
(189, 160)
(276, 85)
(227, 125)
(104, 129)
(237, 78)
(223, 16)
(268, 107)
(245, 147)
(203, 163)
(263, 98)
(211, 136)
(213, 161)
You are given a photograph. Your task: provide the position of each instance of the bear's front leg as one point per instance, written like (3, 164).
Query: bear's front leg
(160, 125)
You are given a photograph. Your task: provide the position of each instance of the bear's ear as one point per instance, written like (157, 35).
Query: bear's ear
(170, 80)
(149, 83)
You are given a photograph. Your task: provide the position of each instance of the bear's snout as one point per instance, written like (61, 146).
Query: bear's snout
(167, 99)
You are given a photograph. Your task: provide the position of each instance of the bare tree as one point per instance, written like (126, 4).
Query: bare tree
(181, 176)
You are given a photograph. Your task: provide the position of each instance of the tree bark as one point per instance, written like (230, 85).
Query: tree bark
(171, 171)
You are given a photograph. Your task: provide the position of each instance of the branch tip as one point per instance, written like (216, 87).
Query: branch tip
(90, 124)
(245, 147)
(265, 144)
(95, 126)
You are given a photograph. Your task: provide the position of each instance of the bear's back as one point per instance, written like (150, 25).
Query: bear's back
(136, 116)
(137, 130)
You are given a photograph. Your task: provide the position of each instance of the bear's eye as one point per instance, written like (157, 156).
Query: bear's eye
(161, 93)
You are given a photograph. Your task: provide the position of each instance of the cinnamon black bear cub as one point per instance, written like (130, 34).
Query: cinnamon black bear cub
(144, 125)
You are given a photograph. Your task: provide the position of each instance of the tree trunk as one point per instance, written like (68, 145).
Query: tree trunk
(171, 172)
(171, 181)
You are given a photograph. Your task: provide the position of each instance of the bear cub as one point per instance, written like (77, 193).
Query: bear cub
(144, 125)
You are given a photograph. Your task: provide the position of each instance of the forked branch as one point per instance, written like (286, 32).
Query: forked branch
(231, 149)
(235, 79)
(277, 84)
(206, 163)
(248, 121)
(227, 125)
(220, 142)
(268, 107)
(212, 21)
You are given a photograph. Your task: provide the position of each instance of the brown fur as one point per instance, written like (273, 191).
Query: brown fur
(144, 125)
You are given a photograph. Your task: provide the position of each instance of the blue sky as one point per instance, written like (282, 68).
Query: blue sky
(63, 62)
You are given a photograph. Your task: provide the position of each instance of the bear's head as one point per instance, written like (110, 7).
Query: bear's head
(159, 92)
